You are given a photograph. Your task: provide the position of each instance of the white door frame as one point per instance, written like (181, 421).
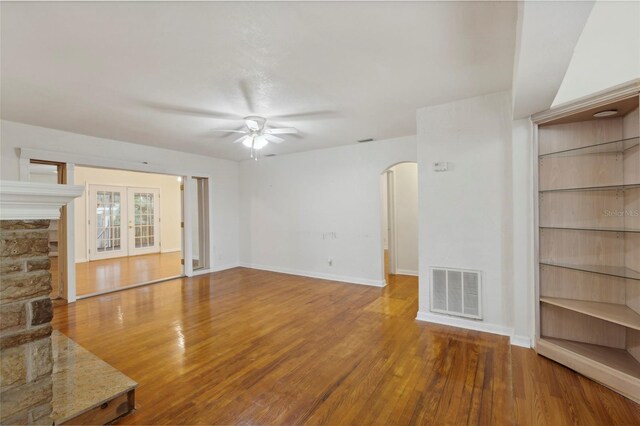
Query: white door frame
(72, 159)
(391, 222)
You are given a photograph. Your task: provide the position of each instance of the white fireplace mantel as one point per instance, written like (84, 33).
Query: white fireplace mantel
(32, 200)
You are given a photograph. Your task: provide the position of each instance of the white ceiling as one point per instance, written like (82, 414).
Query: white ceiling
(607, 53)
(553, 28)
(165, 74)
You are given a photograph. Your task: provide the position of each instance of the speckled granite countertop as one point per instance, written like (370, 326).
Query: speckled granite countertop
(81, 380)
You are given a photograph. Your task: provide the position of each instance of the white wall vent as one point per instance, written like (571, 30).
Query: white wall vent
(456, 292)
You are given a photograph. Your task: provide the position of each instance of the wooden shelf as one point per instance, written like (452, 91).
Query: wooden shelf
(615, 271)
(617, 359)
(619, 146)
(618, 314)
(591, 229)
(622, 187)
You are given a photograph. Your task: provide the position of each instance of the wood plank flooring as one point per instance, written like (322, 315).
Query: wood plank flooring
(103, 275)
(547, 393)
(255, 347)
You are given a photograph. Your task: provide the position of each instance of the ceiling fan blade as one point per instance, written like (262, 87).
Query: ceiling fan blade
(274, 139)
(307, 115)
(252, 124)
(282, 131)
(246, 94)
(196, 112)
(240, 139)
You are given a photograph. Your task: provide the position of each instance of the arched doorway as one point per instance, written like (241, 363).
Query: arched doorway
(399, 212)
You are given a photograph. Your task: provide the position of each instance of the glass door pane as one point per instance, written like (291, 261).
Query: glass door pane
(144, 220)
(109, 216)
(106, 222)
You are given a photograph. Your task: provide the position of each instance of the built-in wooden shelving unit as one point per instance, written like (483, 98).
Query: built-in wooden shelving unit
(588, 242)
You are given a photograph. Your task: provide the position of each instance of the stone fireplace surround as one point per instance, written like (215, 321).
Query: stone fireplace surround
(26, 361)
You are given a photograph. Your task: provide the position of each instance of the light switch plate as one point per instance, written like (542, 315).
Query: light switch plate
(440, 166)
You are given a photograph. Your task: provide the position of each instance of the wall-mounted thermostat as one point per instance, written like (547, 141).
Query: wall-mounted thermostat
(440, 166)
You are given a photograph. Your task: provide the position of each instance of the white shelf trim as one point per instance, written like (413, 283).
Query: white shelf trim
(32, 201)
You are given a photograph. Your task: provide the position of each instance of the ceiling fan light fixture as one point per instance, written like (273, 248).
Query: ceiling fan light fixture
(256, 136)
(260, 142)
(248, 141)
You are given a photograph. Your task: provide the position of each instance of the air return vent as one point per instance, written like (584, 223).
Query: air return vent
(456, 292)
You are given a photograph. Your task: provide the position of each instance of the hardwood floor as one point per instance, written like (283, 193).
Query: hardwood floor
(548, 393)
(112, 274)
(255, 347)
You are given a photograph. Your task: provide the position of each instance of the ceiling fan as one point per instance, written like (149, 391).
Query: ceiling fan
(256, 136)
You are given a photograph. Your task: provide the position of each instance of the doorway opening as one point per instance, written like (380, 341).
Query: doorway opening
(113, 238)
(399, 207)
(199, 223)
(50, 172)
(128, 229)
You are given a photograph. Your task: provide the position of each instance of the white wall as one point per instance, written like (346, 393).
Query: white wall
(170, 204)
(406, 217)
(522, 195)
(607, 53)
(224, 173)
(467, 213)
(299, 210)
(384, 210)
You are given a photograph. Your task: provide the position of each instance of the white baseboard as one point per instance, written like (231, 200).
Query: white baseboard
(522, 341)
(83, 260)
(464, 323)
(171, 250)
(406, 272)
(475, 325)
(322, 276)
(217, 268)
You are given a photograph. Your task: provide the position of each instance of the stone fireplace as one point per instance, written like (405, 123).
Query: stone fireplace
(26, 361)
(25, 315)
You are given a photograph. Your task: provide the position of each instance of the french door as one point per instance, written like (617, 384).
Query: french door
(123, 221)
(143, 220)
